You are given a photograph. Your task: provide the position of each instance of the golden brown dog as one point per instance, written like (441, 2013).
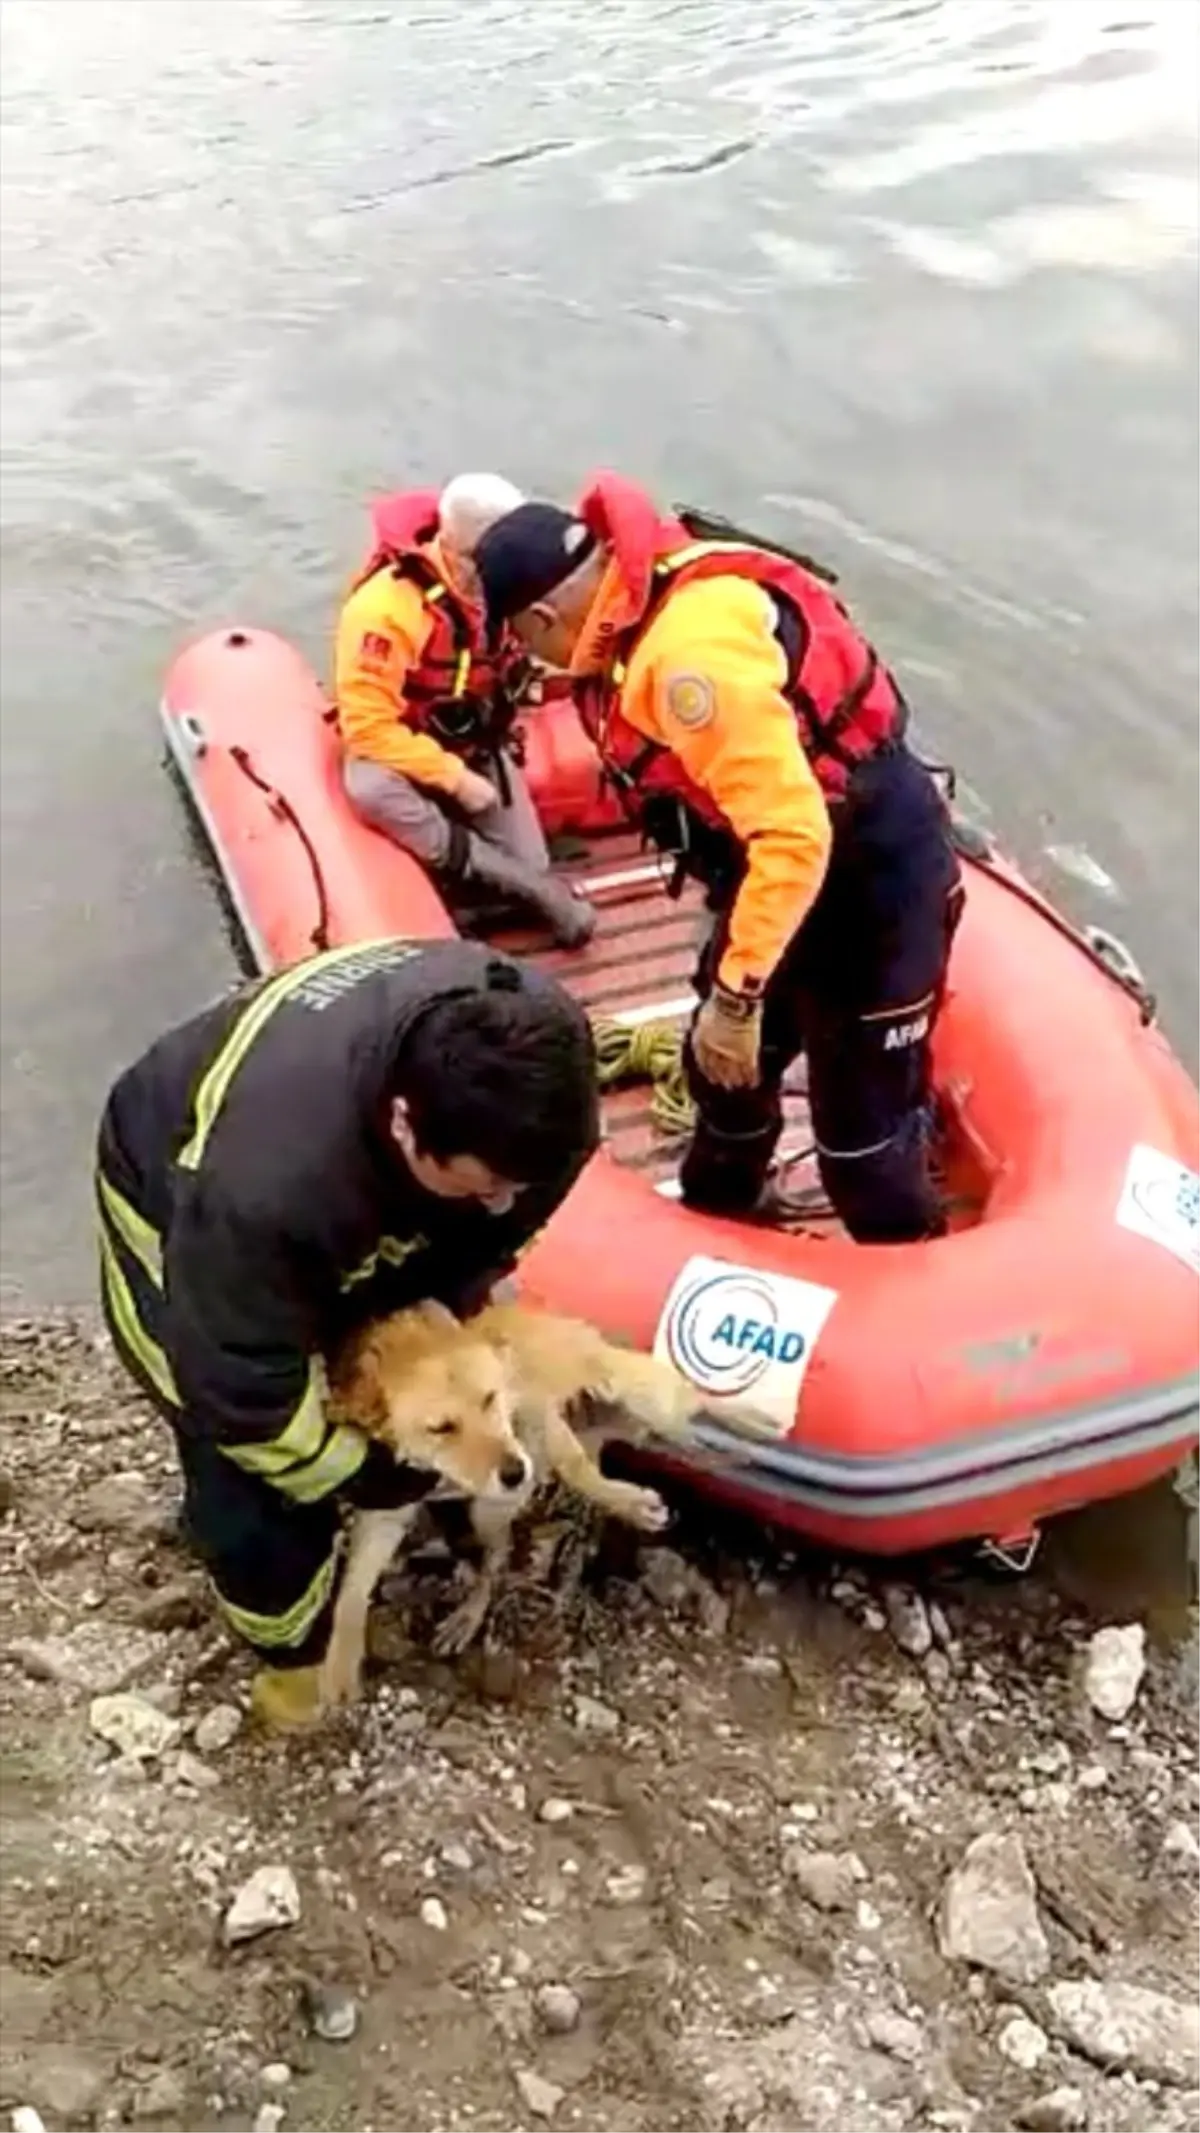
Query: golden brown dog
(482, 1405)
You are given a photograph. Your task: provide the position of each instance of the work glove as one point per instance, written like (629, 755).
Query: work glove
(726, 1036)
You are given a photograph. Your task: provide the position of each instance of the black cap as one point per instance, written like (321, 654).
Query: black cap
(526, 555)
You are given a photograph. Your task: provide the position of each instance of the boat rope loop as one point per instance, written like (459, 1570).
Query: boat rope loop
(653, 1052)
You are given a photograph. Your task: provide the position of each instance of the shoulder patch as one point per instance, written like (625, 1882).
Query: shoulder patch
(376, 649)
(691, 700)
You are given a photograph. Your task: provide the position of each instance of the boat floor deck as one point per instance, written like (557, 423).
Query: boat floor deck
(637, 969)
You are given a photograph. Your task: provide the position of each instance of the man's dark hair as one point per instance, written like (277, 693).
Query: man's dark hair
(507, 1075)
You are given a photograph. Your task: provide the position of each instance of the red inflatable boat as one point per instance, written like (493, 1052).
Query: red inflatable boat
(1041, 1355)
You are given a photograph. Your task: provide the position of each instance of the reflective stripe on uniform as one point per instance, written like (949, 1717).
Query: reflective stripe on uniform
(273, 1632)
(214, 1084)
(339, 1458)
(132, 1228)
(123, 1311)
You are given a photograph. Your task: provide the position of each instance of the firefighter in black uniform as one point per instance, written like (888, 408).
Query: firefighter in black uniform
(377, 1125)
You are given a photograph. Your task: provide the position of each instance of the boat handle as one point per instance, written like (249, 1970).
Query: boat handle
(193, 733)
(1112, 951)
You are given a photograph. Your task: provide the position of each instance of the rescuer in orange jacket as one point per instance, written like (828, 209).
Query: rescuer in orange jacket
(426, 707)
(758, 739)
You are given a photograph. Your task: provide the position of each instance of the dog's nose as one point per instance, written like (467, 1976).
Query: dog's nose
(513, 1471)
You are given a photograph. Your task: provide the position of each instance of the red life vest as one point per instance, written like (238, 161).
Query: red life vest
(462, 691)
(846, 703)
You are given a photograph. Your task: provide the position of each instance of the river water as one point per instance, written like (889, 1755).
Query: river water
(915, 284)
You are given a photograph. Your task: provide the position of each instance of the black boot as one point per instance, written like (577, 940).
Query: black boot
(488, 866)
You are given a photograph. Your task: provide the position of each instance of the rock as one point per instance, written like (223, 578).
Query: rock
(1023, 2043)
(908, 1620)
(827, 1879)
(25, 2120)
(217, 1728)
(1180, 1844)
(1116, 1661)
(558, 2009)
(895, 2034)
(1126, 2026)
(270, 2118)
(197, 1776)
(626, 1886)
(330, 2011)
(164, 2096)
(97, 1657)
(989, 1914)
(538, 2095)
(1060, 2110)
(596, 1718)
(434, 1914)
(457, 1858)
(275, 2076)
(555, 1811)
(268, 1900)
(65, 2083)
(178, 1606)
(938, 1672)
(125, 1504)
(8, 1493)
(132, 1725)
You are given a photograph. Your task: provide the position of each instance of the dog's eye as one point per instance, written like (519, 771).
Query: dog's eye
(443, 1429)
(489, 1401)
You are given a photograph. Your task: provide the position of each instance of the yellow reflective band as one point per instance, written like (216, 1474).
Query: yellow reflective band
(299, 1440)
(271, 1632)
(133, 1229)
(119, 1298)
(340, 1457)
(391, 1251)
(462, 673)
(434, 592)
(696, 552)
(214, 1086)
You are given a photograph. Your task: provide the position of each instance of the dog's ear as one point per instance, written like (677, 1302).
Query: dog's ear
(357, 1389)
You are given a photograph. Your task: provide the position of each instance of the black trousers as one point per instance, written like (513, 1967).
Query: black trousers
(273, 1563)
(858, 990)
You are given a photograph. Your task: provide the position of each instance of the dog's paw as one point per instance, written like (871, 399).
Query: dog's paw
(461, 1627)
(647, 1511)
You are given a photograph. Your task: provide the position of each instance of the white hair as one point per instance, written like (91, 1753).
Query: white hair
(470, 504)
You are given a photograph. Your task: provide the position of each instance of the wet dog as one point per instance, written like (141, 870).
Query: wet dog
(484, 1407)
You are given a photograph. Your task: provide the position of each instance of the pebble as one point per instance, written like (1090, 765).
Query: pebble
(1180, 1844)
(25, 2120)
(627, 1886)
(217, 1729)
(988, 1914)
(189, 1771)
(1092, 1778)
(276, 2075)
(164, 2096)
(1113, 1670)
(434, 1914)
(123, 1503)
(1022, 2043)
(330, 2011)
(270, 2118)
(457, 1858)
(896, 2034)
(873, 1617)
(829, 1880)
(132, 1725)
(1060, 2110)
(908, 1620)
(938, 1672)
(538, 2095)
(599, 1719)
(558, 2009)
(555, 1810)
(269, 1899)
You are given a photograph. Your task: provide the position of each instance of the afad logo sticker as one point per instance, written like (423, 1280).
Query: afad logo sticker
(1160, 1199)
(743, 1335)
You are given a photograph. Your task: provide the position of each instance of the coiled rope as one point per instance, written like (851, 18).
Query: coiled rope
(653, 1052)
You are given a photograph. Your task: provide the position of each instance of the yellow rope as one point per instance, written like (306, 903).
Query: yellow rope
(652, 1052)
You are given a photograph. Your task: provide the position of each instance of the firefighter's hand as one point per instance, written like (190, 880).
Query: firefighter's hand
(475, 794)
(726, 1037)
